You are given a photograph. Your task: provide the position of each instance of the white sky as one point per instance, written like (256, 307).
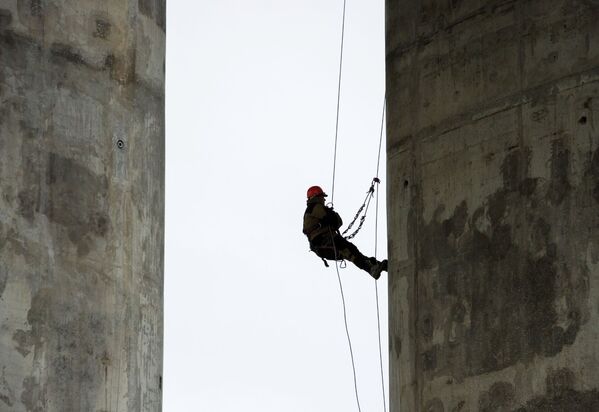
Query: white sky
(253, 321)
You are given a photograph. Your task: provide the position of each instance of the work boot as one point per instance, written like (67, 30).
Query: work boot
(377, 268)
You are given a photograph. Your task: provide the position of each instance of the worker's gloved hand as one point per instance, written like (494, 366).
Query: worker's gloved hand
(332, 219)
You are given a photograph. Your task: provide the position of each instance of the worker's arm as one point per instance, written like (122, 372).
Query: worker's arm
(319, 218)
(331, 218)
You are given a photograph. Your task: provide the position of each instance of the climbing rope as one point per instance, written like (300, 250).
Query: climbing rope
(376, 226)
(351, 352)
(338, 101)
(364, 208)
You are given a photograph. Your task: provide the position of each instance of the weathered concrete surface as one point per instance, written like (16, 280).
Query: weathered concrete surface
(493, 163)
(81, 205)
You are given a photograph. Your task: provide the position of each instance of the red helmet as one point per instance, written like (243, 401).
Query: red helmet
(315, 191)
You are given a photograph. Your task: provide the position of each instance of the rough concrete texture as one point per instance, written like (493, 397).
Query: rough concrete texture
(493, 163)
(81, 205)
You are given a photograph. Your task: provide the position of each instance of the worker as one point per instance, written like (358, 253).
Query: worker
(321, 226)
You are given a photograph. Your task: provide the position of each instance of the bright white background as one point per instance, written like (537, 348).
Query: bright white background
(253, 321)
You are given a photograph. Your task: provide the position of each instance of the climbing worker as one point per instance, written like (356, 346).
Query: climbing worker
(321, 226)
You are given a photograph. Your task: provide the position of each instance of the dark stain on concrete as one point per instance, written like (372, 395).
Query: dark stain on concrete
(429, 359)
(510, 170)
(161, 14)
(77, 201)
(528, 186)
(67, 52)
(18, 45)
(540, 235)
(24, 341)
(122, 68)
(33, 395)
(540, 283)
(499, 398)
(455, 225)
(68, 344)
(28, 198)
(395, 344)
(459, 407)
(28, 130)
(6, 394)
(23, 48)
(560, 165)
(3, 273)
(562, 397)
(5, 19)
(494, 275)
(147, 7)
(434, 405)
(593, 173)
(39, 314)
(560, 381)
(99, 224)
(154, 9)
(27, 204)
(109, 61)
(3, 236)
(427, 326)
(5, 399)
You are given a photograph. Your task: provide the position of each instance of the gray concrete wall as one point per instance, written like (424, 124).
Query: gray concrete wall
(493, 164)
(81, 204)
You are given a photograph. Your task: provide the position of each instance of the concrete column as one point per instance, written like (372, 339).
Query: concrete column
(81, 205)
(493, 163)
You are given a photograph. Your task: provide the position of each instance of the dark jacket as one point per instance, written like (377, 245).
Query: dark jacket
(320, 219)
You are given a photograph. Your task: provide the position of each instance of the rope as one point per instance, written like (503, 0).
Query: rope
(362, 221)
(376, 288)
(378, 162)
(338, 101)
(351, 352)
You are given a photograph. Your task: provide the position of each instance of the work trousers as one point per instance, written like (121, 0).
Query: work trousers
(333, 246)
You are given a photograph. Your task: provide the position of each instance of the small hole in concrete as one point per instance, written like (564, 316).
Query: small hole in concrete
(160, 382)
(120, 144)
(405, 183)
(102, 29)
(582, 120)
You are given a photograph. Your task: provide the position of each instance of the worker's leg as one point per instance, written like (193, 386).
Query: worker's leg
(323, 247)
(349, 251)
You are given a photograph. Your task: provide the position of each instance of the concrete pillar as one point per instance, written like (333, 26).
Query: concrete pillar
(493, 163)
(81, 205)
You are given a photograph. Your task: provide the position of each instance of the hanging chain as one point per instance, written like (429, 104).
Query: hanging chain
(364, 207)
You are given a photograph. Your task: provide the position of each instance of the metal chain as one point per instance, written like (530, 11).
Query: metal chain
(369, 196)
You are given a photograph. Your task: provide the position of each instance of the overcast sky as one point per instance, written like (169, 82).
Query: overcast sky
(253, 321)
